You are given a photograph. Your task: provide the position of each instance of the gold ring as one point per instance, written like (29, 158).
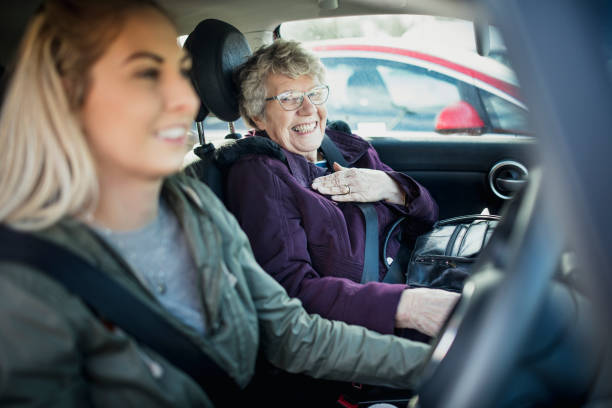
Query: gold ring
(348, 187)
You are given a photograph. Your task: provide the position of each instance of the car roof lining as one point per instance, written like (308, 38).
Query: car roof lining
(253, 18)
(267, 14)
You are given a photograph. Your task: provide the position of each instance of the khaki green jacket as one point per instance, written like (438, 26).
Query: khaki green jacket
(55, 352)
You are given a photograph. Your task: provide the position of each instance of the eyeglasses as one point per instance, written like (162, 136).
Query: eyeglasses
(292, 100)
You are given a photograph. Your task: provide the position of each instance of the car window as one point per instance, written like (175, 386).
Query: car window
(403, 73)
(215, 129)
(504, 115)
(374, 95)
(406, 73)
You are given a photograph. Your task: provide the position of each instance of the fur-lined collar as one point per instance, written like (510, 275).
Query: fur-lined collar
(230, 153)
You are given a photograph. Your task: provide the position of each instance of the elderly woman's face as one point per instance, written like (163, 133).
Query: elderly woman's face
(140, 105)
(299, 131)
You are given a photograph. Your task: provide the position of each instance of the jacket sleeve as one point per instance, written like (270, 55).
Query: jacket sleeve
(38, 363)
(272, 221)
(54, 352)
(299, 342)
(420, 209)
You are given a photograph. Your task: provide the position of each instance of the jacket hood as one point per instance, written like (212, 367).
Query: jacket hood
(258, 142)
(230, 153)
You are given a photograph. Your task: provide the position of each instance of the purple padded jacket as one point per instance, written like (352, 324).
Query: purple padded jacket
(314, 246)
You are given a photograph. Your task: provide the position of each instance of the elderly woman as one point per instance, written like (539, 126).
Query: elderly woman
(91, 166)
(301, 217)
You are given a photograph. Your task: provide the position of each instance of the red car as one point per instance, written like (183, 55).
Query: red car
(379, 89)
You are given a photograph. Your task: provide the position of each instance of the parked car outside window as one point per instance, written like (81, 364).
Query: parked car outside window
(380, 90)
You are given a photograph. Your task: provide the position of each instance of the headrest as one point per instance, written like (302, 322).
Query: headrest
(216, 48)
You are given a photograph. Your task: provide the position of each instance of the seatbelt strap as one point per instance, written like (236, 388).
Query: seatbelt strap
(115, 303)
(332, 153)
(370, 262)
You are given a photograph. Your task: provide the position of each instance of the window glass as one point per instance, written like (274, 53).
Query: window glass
(504, 115)
(374, 95)
(397, 73)
(412, 28)
(215, 129)
(411, 73)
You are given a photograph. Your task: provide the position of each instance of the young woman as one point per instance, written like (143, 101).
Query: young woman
(92, 134)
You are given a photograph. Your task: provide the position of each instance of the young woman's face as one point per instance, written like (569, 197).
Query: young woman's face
(140, 103)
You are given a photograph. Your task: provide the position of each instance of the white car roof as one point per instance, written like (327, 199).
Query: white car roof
(462, 57)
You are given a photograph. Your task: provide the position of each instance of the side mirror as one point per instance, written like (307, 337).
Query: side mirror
(460, 117)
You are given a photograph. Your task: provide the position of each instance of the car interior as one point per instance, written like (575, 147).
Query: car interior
(531, 328)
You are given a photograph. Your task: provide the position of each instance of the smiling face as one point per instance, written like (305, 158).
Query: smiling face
(140, 103)
(299, 131)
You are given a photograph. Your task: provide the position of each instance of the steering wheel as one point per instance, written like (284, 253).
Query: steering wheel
(485, 333)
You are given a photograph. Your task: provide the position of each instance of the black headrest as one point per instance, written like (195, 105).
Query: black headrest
(217, 48)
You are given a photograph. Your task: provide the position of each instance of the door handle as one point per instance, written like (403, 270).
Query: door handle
(511, 185)
(507, 177)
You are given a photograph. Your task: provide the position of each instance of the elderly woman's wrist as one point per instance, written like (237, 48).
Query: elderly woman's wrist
(403, 314)
(397, 198)
(396, 194)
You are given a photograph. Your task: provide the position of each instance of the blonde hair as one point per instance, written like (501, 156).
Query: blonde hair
(281, 57)
(46, 169)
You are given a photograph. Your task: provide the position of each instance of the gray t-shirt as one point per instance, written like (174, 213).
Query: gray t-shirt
(159, 256)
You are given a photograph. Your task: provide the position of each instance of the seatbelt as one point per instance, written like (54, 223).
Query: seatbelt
(207, 170)
(395, 270)
(113, 302)
(370, 262)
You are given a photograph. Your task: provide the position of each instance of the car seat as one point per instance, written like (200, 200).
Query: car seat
(217, 49)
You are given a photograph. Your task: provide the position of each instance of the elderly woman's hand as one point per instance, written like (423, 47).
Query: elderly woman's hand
(362, 185)
(424, 309)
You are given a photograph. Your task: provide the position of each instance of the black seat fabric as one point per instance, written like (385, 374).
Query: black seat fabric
(217, 49)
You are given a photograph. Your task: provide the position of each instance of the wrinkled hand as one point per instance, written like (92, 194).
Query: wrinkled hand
(425, 309)
(361, 185)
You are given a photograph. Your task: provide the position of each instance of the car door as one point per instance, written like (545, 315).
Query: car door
(465, 174)
(462, 137)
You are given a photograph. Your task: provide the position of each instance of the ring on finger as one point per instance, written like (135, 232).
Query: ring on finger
(348, 188)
